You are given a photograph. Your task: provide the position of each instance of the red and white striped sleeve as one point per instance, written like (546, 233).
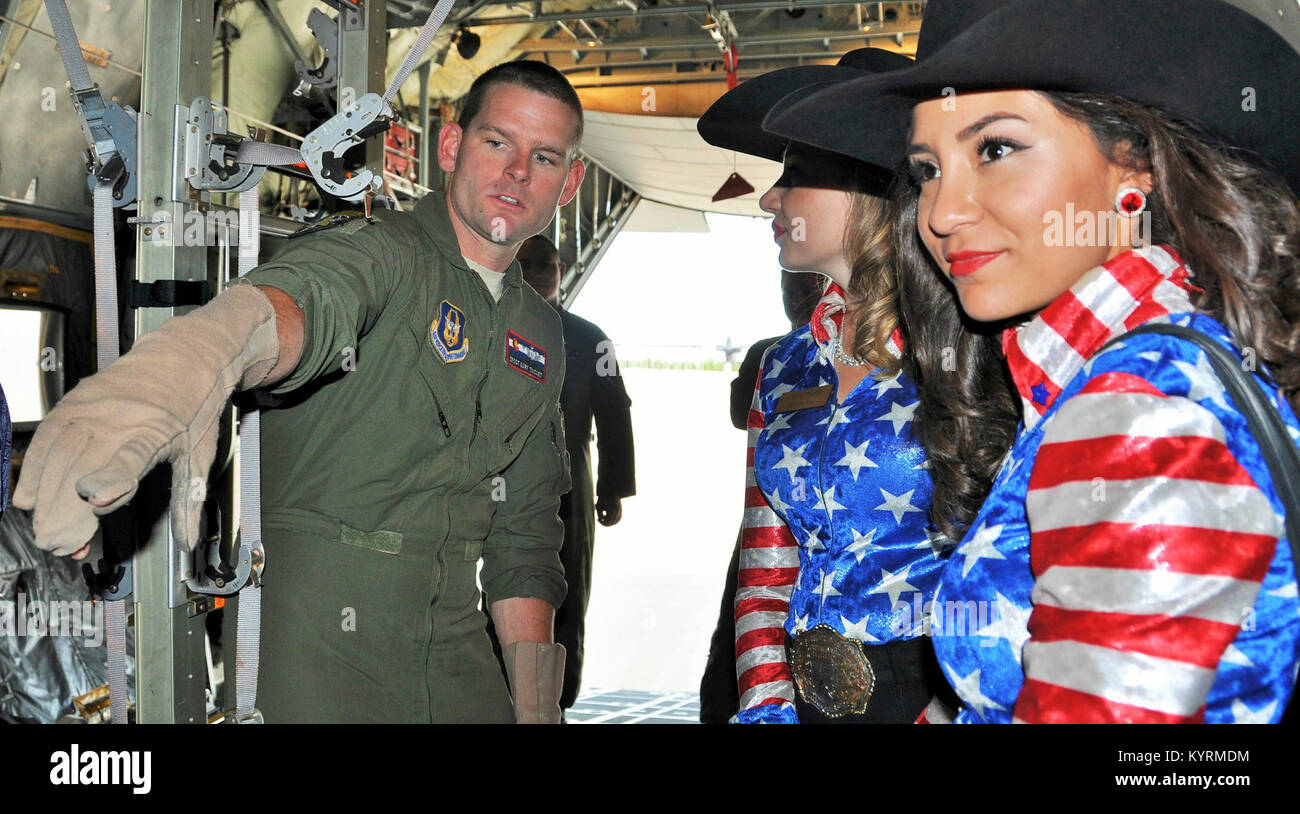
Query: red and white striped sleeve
(1149, 542)
(769, 567)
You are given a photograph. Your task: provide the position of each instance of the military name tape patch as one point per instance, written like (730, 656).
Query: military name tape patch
(447, 333)
(526, 357)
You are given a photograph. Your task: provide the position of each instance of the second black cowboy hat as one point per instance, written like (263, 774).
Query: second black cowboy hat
(1206, 61)
(735, 120)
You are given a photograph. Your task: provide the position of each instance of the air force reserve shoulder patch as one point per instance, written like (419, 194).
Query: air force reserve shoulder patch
(524, 356)
(447, 333)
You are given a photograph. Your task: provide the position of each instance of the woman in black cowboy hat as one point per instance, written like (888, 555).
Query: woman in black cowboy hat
(835, 552)
(1080, 169)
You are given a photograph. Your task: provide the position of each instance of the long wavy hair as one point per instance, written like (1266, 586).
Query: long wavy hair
(872, 294)
(968, 409)
(1235, 225)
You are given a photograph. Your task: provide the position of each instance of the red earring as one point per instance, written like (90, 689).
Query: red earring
(1130, 201)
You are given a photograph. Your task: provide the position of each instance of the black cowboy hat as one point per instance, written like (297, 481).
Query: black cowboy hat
(1206, 61)
(734, 122)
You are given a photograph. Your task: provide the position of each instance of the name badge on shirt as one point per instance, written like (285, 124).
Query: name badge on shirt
(803, 399)
(526, 357)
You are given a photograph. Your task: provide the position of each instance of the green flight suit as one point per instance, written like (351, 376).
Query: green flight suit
(411, 440)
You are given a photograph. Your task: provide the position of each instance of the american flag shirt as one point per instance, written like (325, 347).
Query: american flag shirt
(837, 504)
(1129, 564)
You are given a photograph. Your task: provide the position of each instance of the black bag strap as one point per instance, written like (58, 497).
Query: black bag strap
(168, 293)
(1280, 452)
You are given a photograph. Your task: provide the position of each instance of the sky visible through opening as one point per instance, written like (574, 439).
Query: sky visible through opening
(657, 576)
(678, 296)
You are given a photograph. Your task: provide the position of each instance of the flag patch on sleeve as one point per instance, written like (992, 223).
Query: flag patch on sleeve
(526, 357)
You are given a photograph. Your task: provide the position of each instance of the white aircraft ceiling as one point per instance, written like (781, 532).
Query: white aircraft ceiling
(665, 160)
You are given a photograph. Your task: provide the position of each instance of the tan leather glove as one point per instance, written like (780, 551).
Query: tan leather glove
(160, 402)
(536, 673)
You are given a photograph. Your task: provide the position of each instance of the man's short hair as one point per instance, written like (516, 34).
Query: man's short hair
(525, 73)
(541, 238)
(540, 241)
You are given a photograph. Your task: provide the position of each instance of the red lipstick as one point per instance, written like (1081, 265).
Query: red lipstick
(963, 263)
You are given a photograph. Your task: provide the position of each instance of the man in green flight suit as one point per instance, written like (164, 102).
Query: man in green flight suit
(417, 431)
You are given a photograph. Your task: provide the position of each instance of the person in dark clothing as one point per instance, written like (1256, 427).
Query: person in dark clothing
(593, 390)
(719, 695)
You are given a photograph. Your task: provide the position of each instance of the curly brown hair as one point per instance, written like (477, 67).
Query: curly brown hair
(1234, 224)
(872, 295)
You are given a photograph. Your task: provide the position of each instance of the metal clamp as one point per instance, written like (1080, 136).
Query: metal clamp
(211, 575)
(108, 127)
(110, 133)
(324, 147)
(326, 31)
(111, 582)
(211, 151)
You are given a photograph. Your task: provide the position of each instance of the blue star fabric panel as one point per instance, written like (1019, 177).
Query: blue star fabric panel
(851, 484)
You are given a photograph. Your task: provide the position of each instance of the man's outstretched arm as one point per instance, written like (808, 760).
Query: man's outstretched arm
(283, 324)
(162, 401)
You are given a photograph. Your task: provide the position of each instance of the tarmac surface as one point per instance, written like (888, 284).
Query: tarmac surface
(634, 707)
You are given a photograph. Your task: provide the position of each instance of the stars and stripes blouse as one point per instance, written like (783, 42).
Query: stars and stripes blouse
(1129, 564)
(837, 503)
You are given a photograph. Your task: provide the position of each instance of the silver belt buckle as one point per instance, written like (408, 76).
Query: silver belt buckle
(831, 672)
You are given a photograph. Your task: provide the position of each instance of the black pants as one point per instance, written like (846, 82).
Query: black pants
(719, 694)
(571, 616)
